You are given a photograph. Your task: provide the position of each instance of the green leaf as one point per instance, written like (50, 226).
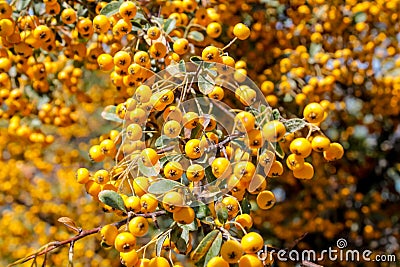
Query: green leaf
(185, 234)
(162, 141)
(212, 72)
(214, 249)
(159, 245)
(112, 199)
(294, 125)
(158, 20)
(204, 246)
(163, 186)
(103, 244)
(182, 66)
(279, 152)
(169, 25)
(173, 69)
(262, 108)
(202, 211)
(246, 206)
(148, 171)
(82, 11)
(165, 159)
(276, 114)
(196, 131)
(201, 263)
(165, 221)
(252, 110)
(181, 245)
(241, 144)
(236, 232)
(196, 60)
(176, 234)
(206, 84)
(222, 213)
(140, 16)
(195, 35)
(189, 227)
(209, 175)
(111, 8)
(22, 4)
(109, 113)
(136, 26)
(209, 65)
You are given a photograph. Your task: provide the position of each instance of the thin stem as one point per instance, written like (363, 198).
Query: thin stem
(225, 141)
(224, 152)
(163, 150)
(71, 254)
(275, 151)
(181, 98)
(170, 257)
(312, 128)
(239, 225)
(190, 25)
(226, 232)
(229, 44)
(155, 239)
(44, 260)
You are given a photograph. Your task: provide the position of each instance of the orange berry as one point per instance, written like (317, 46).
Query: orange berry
(252, 242)
(241, 31)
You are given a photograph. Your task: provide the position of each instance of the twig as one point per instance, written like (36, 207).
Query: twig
(155, 239)
(295, 242)
(190, 25)
(82, 234)
(167, 149)
(227, 140)
(238, 225)
(312, 128)
(229, 44)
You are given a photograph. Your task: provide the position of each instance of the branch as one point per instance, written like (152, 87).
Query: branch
(53, 245)
(295, 242)
(215, 146)
(163, 150)
(83, 233)
(226, 140)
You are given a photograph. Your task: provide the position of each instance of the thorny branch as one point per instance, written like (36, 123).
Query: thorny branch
(83, 233)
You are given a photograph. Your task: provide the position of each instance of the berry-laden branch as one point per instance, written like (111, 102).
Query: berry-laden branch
(212, 147)
(82, 233)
